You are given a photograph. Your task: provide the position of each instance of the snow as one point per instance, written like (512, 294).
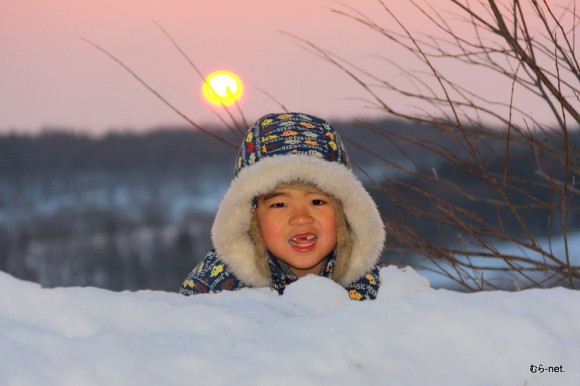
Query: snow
(313, 335)
(556, 245)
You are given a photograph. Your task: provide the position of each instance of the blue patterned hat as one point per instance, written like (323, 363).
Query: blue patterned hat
(290, 133)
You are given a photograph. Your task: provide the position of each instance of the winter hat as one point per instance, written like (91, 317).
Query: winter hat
(281, 148)
(290, 133)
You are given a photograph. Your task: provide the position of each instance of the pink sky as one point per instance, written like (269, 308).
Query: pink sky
(50, 77)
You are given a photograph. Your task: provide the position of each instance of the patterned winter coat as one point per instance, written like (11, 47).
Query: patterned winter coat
(280, 148)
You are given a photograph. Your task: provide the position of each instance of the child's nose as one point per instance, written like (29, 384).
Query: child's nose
(301, 216)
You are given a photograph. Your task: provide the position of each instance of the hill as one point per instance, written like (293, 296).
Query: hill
(133, 211)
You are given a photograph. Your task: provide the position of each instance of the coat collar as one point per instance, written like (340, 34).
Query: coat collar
(282, 274)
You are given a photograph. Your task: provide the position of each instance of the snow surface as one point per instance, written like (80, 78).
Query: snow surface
(313, 335)
(506, 279)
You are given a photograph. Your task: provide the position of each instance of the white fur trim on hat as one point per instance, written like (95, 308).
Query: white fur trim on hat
(230, 231)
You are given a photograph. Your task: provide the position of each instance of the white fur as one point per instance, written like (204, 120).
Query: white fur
(230, 231)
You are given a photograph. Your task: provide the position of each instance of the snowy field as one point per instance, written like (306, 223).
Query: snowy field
(313, 335)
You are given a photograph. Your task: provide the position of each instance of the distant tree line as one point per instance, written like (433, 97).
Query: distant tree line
(133, 211)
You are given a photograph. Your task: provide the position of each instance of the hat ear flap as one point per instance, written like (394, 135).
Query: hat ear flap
(259, 247)
(343, 242)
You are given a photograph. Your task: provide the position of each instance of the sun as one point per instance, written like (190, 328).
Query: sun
(222, 88)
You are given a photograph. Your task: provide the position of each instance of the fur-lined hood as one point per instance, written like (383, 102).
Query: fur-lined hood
(286, 147)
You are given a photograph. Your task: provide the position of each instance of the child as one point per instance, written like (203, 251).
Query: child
(294, 208)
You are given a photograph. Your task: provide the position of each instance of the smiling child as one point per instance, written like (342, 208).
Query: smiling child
(294, 208)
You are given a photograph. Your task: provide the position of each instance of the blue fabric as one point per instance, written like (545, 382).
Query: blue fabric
(210, 276)
(290, 133)
(213, 276)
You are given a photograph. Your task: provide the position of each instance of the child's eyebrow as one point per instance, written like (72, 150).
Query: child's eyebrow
(273, 195)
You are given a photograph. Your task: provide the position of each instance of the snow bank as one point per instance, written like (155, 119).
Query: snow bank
(313, 335)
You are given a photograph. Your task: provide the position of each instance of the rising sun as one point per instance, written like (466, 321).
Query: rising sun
(222, 88)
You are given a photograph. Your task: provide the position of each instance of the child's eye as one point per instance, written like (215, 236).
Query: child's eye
(318, 202)
(278, 205)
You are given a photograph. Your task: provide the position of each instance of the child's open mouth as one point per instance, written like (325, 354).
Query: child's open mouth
(303, 242)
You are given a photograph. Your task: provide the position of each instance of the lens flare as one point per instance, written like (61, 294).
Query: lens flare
(222, 88)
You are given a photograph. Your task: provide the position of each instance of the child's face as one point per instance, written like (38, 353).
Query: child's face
(298, 227)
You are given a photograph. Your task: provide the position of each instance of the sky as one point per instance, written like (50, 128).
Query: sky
(312, 335)
(51, 78)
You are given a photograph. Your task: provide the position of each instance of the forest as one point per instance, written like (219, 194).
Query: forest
(129, 211)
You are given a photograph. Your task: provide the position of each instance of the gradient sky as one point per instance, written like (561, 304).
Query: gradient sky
(49, 77)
